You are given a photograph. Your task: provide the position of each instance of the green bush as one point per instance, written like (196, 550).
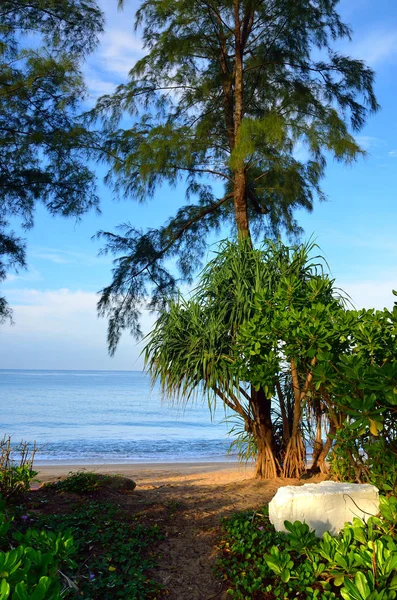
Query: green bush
(15, 480)
(16, 475)
(365, 459)
(115, 553)
(30, 562)
(358, 564)
(87, 482)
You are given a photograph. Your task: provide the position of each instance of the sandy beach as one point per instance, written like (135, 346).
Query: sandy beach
(153, 474)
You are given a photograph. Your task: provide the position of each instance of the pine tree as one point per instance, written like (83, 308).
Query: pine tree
(224, 96)
(42, 141)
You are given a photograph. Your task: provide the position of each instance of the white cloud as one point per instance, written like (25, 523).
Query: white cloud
(97, 86)
(368, 142)
(393, 153)
(371, 293)
(31, 275)
(68, 257)
(59, 329)
(118, 52)
(378, 46)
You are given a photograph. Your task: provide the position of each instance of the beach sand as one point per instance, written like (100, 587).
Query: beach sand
(154, 474)
(189, 501)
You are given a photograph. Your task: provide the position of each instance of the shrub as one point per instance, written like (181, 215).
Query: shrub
(358, 564)
(88, 482)
(30, 569)
(16, 475)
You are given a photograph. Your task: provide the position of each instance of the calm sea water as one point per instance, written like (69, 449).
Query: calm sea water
(83, 417)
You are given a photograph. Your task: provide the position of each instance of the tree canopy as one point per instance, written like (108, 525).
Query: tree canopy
(204, 344)
(268, 334)
(343, 372)
(226, 95)
(43, 143)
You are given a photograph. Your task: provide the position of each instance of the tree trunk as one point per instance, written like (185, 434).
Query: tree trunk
(287, 426)
(240, 203)
(321, 464)
(240, 177)
(318, 442)
(267, 466)
(295, 456)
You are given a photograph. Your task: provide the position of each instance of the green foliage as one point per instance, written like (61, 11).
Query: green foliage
(363, 385)
(194, 348)
(16, 480)
(81, 482)
(345, 367)
(360, 563)
(114, 553)
(30, 562)
(222, 97)
(88, 482)
(93, 552)
(16, 474)
(43, 143)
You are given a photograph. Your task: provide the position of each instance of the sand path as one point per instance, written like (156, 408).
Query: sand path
(189, 502)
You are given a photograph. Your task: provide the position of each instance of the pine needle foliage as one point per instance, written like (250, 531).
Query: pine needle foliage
(225, 94)
(43, 143)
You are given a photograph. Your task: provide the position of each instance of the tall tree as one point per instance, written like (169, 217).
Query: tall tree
(42, 140)
(225, 95)
(255, 317)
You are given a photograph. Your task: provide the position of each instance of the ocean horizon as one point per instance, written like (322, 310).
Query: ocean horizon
(90, 417)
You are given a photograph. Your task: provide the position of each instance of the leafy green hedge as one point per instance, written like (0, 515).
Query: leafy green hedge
(359, 564)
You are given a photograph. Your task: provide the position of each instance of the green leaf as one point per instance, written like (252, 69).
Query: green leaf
(4, 589)
(339, 580)
(285, 575)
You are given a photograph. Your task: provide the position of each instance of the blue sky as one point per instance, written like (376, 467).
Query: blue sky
(56, 326)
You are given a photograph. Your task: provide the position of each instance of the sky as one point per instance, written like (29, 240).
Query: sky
(55, 321)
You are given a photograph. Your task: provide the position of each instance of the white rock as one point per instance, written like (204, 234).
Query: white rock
(324, 506)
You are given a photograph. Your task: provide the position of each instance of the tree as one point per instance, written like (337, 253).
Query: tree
(342, 365)
(267, 333)
(296, 325)
(224, 96)
(43, 143)
(363, 386)
(258, 317)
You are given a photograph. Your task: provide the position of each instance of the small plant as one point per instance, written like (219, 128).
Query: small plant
(16, 474)
(81, 482)
(88, 482)
(300, 538)
(30, 562)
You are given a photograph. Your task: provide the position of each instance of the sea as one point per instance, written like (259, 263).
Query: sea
(91, 417)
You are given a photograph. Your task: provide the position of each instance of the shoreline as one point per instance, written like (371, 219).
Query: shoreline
(153, 473)
(130, 462)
